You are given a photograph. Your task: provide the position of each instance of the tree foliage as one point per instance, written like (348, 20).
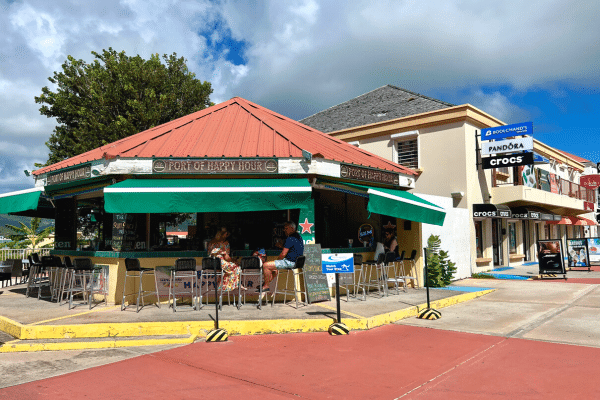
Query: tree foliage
(24, 236)
(440, 269)
(116, 96)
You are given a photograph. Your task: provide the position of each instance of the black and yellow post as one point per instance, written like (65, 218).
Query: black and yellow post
(217, 334)
(338, 328)
(428, 313)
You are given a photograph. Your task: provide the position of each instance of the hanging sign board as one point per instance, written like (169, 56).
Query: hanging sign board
(507, 146)
(342, 263)
(590, 181)
(500, 132)
(578, 254)
(511, 160)
(314, 278)
(550, 257)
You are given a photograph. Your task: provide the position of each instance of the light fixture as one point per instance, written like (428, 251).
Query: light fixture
(457, 195)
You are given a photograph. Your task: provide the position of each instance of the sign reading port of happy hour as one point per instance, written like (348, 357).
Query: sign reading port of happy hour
(215, 166)
(368, 174)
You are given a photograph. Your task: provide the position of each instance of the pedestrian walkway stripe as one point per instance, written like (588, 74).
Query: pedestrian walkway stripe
(74, 315)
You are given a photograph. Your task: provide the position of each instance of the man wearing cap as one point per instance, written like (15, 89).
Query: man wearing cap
(292, 249)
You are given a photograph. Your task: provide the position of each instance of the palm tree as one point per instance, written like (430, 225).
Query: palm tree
(25, 236)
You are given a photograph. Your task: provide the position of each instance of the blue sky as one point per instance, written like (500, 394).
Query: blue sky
(518, 61)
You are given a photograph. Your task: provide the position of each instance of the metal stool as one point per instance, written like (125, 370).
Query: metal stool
(391, 273)
(65, 278)
(184, 268)
(37, 275)
(80, 281)
(208, 278)
(413, 264)
(296, 272)
(98, 284)
(370, 276)
(54, 266)
(251, 268)
(133, 270)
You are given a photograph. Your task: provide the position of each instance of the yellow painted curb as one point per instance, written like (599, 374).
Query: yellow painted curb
(192, 328)
(31, 347)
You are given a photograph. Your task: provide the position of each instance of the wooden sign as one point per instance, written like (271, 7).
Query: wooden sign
(215, 166)
(314, 278)
(368, 175)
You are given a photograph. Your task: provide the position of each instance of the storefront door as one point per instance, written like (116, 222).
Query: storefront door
(497, 242)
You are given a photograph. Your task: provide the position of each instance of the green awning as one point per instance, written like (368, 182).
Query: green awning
(401, 204)
(21, 200)
(206, 195)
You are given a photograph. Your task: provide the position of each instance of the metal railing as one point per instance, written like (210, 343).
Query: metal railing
(562, 186)
(22, 254)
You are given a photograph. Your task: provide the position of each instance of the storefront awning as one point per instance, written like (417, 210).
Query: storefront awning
(206, 195)
(398, 203)
(563, 221)
(491, 211)
(578, 221)
(22, 202)
(525, 213)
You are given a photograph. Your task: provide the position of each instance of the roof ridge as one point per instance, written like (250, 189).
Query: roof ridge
(422, 95)
(361, 95)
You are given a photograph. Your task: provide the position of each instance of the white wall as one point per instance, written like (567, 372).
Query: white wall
(454, 234)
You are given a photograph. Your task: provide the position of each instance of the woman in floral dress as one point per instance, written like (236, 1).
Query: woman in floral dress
(219, 247)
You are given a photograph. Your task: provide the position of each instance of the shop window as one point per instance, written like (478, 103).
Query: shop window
(512, 238)
(479, 238)
(408, 153)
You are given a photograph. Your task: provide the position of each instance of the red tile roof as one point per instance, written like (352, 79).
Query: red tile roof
(574, 157)
(233, 129)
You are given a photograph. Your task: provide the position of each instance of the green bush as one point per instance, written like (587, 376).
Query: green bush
(440, 269)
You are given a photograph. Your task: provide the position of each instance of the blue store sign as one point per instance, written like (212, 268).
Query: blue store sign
(339, 262)
(499, 132)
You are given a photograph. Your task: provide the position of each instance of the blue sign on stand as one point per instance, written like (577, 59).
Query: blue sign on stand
(504, 131)
(338, 262)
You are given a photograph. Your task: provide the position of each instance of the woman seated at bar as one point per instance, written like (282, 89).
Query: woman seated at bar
(390, 243)
(292, 249)
(219, 247)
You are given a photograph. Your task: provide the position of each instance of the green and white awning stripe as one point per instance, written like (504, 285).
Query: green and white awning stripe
(21, 200)
(206, 195)
(398, 203)
(405, 205)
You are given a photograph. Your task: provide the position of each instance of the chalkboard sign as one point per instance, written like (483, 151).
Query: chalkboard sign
(550, 257)
(314, 278)
(124, 232)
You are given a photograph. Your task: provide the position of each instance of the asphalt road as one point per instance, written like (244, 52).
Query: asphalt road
(527, 340)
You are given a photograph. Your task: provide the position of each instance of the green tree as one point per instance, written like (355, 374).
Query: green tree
(440, 269)
(24, 236)
(116, 96)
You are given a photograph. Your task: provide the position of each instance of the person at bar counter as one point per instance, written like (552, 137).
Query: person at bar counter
(293, 248)
(390, 243)
(219, 247)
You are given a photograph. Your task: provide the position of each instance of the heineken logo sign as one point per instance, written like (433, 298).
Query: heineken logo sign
(369, 175)
(215, 166)
(69, 176)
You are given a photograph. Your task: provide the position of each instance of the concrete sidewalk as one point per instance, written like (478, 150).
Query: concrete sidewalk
(43, 325)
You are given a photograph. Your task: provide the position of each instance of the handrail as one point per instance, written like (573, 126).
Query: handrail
(6, 254)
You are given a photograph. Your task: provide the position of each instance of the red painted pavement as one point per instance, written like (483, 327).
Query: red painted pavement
(383, 363)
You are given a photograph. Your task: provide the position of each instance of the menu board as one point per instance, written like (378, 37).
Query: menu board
(314, 278)
(578, 254)
(594, 250)
(550, 257)
(124, 232)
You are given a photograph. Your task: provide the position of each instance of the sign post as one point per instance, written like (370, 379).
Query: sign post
(428, 313)
(336, 263)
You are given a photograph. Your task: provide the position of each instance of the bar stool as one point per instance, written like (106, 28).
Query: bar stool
(295, 272)
(413, 265)
(371, 276)
(133, 270)
(80, 282)
(251, 268)
(66, 278)
(184, 268)
(98, 284)
(37, 278)
(54, 266)
(358, 271)
(207, 278)
(391, 273)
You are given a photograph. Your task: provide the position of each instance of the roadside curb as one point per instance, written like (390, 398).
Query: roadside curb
(195, 329)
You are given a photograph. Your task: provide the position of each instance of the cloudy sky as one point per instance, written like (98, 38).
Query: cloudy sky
(517, 60)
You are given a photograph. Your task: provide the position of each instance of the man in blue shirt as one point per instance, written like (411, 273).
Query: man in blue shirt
(292, 249)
